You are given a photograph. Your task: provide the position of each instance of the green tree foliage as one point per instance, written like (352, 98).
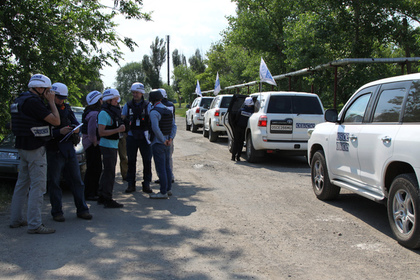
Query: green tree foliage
(177, 59)
(126, 76)
(63, 39)
(187, 82)
(153, 63)
(197, 62)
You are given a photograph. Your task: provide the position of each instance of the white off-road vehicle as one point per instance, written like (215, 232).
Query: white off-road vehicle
(372, 148)
(213, 126)
(194, 117)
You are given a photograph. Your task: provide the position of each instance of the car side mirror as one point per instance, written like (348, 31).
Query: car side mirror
(188, 106)
(331, 115)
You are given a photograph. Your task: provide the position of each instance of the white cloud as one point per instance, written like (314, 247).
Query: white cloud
(191, 25)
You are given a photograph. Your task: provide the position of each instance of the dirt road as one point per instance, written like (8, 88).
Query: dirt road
(226, 220)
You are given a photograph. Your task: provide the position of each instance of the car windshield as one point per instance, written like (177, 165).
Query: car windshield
(294, 105)
(225, 102)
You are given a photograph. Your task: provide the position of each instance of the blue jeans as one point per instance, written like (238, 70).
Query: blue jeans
(162, 158)
(133, 145)
(57, 165)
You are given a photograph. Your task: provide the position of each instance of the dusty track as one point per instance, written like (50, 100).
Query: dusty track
(226, 220)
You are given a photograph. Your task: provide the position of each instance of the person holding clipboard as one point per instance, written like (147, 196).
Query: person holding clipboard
(61, 158)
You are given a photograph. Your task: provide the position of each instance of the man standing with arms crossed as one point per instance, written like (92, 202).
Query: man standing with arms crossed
(136, 116)
(31, 124)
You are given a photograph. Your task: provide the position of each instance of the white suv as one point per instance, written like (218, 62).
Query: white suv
(280, 122)
(372, 148)
(213, 125)
(194, 117)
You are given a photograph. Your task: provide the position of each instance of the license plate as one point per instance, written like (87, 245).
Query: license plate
(280, 127)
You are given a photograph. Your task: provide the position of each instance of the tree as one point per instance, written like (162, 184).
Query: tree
(187, 81)
(152, 64)
(63, 39)
(126, 76)
(197, 63)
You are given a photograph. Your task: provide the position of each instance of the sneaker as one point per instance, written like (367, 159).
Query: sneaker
(159, 195)
(169, 193)
(19, 224)
(59, 218)
(41, 230)
(85, 216)
(113, 204)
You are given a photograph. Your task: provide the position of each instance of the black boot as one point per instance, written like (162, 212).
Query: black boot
(131, 188)
(146, 188)
(233, 157)
(238, 158)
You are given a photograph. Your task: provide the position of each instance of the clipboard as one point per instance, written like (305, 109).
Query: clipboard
(71, 132)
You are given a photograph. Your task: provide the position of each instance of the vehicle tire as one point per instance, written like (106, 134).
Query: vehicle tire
(404, 210)
(252, 155)
(323, 188)
(205, 132)
(213, 136)
(187, 126)
(194, 127)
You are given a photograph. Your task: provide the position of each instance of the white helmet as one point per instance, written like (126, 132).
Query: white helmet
(163, 91)
(39, 80)
(60, 90)
(93, 97)
(248, 101)
(110, 94)
(138, 87)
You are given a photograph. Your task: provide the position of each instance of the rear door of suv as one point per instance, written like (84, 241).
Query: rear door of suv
(289, 116)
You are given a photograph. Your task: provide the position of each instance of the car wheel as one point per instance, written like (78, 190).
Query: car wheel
(403, 210)
(205, 132)
(213, 136)
(194, 127)
(252, 155)
(321, 184)
(187, 126)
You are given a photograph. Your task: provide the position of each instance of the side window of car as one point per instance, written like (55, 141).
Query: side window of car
(213, 103)
(412, 107)
(389, 105)
(356, 111)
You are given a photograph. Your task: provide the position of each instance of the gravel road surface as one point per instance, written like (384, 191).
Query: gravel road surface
(226, 220)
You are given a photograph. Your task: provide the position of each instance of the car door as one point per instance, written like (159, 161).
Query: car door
(343, 141)
(376, 139)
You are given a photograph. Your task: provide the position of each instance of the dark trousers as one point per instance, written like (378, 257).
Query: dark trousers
(93, 170)
(106, 183)
(238, 141)
(133, 145)
(57, 165)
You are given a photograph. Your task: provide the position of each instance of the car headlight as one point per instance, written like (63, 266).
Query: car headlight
(9, 155)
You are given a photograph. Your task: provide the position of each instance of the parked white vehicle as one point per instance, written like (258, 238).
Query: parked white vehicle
(213, 126)
(194, 117)
(280, 122)
(372, 148)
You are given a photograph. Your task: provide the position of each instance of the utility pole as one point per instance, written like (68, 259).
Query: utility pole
(169, 75)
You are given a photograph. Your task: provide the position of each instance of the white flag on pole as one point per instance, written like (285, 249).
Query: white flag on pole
(265, 75)
(197, 89)
(217, 87)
